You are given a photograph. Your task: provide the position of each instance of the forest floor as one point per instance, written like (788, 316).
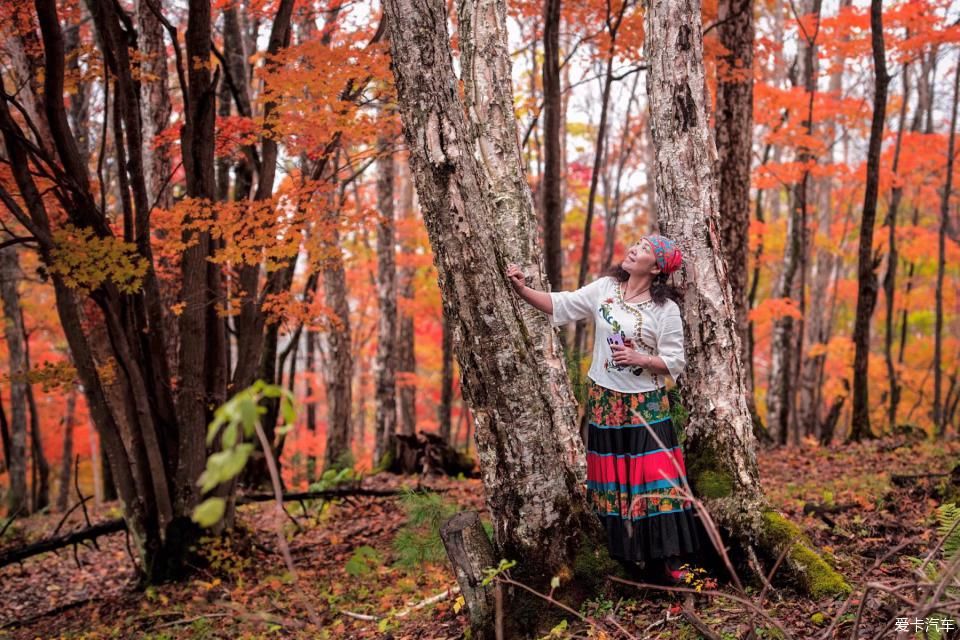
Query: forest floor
(361, 558)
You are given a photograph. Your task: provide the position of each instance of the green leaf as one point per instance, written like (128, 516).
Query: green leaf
(248, 415)
(555, 582)
(209, 512)
(289, 413)
(233, 464)
(229, 438)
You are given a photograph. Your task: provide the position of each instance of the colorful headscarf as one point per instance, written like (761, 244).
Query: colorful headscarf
(668, 255)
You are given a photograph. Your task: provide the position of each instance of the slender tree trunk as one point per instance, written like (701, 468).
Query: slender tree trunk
(720, 448)
(530, 452)
(613, 25)
(66, 460)
(40, 494)
(626, 146)
(821, 265)
(734, 133)
(10, 277)
(310, 366)
(938, 412)
(781, 393)
(552, 177)
(339, 375)
(867, 261)
(4, 439)
(926, 92)
(890, 277)
(406, 354)
(386, 397)
(445, 409)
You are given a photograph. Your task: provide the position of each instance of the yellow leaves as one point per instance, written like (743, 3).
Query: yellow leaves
(53, 375)
(86, 261)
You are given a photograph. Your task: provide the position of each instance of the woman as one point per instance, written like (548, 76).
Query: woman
(635, 471)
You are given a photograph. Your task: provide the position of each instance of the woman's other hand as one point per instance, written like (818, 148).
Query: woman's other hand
(517, 279)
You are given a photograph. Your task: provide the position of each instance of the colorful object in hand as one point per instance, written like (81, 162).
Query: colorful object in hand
(668, 255)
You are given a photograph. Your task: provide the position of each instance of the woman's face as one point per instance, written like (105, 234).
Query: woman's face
(640, 259)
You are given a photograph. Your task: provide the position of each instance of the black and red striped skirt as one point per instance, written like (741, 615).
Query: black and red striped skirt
(636, 479)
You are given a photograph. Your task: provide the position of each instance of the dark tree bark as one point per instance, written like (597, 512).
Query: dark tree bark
(445, 410)
(140, 428)
(938, 409)
(867, 262)
(40, 494)
(10, 277)
(734, 133)
(66, 460)
(552, 177)
(386, 395)
(720, 449)
(530, 452)
(339, 374)
(4, 438)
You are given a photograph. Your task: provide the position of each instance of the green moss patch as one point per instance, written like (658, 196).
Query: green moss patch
(817, 577)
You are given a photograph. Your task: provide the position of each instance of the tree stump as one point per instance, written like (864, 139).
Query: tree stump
(470, 552)
(428, 453)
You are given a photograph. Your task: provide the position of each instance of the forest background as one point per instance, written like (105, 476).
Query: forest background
(292, 240)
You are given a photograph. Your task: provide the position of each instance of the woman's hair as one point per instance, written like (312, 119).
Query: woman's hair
(660, 289)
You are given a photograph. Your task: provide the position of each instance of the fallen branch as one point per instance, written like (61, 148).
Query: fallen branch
(58, 542)
(359, 616)
(327, 495)
(699, 624)
(821, 510)
(904, 480)
(93, 532)
(366, 617)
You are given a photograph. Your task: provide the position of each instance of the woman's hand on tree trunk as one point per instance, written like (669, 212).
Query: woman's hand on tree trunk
(517, 279)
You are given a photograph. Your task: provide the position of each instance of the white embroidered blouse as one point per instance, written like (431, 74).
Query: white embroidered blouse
(656, 330)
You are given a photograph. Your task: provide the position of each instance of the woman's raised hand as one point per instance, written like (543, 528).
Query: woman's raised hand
(517, 279)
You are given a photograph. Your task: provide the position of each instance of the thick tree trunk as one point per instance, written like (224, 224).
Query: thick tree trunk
(720, 448)
(867, 262)
(386, 397)
(10, 277)
(512, 369)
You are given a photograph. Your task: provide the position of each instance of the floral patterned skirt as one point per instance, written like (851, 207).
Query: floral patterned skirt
(635, 473)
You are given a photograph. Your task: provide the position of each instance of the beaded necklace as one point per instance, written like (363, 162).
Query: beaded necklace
(633, 309)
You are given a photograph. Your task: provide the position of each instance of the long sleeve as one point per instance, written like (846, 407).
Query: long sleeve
(570, 306)
(670, 341)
